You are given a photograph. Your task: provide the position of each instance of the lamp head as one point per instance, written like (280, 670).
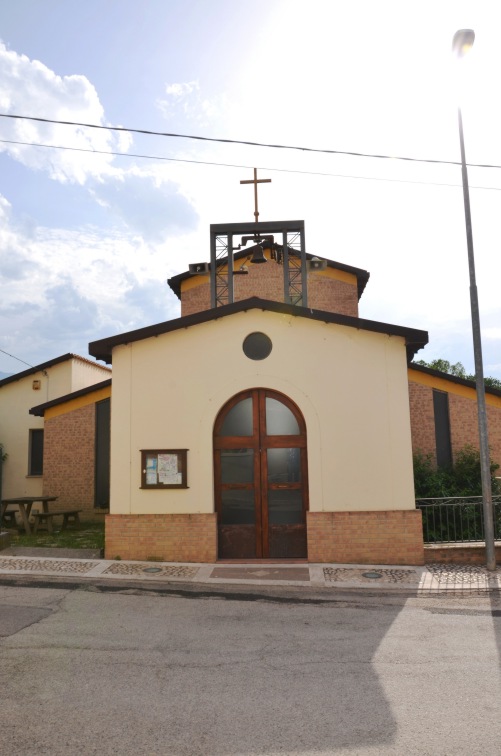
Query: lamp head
(463, 42)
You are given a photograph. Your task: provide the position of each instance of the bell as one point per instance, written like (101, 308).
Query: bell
(258, 255)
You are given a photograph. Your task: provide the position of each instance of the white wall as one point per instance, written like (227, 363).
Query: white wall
(351, 386)
(86, 373)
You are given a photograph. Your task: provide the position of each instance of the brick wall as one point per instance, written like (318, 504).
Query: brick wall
(422, 419)
(458, 554)
(332, 296)
(463, 421)
(69, 451)
(167, 537)
(392, 537)
(464, 425)
(267, 282)
(196, 299)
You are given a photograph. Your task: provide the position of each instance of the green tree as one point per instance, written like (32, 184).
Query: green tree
(444, 366)
(457, 369)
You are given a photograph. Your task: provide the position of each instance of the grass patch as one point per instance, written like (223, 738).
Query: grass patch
(90, 535)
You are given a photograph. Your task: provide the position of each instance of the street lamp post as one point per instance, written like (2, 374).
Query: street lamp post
(462, 43)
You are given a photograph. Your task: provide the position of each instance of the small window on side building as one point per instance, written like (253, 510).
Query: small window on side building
(35, 456)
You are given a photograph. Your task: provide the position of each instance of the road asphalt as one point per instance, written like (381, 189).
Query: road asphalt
(79, 566)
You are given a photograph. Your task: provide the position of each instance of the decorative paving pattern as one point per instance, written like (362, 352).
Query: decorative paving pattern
(147, 569)
(462, 574)
(47, 565)
(445, 579)
(369, 575)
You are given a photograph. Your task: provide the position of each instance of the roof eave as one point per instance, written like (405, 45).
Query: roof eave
(361, 275)
(102, 349)
(39, 410)
(452, 378)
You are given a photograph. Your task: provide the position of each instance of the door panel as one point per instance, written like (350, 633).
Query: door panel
(260, 477)
(238, 421)
(237, 529)
(284, 465)
(285, 507)
(280, 420)
(287, 542)
(237, 466)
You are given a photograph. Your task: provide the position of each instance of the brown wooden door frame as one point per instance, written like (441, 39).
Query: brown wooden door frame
(260, 442)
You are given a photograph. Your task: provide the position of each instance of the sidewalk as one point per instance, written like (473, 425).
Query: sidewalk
(89, 567)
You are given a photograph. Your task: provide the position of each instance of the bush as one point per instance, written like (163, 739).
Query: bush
(462, 479)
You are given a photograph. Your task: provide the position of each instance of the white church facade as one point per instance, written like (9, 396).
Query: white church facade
(269, 421)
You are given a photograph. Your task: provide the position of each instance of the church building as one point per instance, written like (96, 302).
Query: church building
(269, 421)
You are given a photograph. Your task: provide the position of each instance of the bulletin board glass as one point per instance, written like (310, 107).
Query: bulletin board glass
(164, 468)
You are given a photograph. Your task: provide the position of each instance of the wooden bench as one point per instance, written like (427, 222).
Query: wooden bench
(9, 518)
(69, 514)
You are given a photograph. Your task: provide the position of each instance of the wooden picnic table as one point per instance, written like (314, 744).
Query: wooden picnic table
(25, 504)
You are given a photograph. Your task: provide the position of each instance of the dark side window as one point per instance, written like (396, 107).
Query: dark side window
(35, 457)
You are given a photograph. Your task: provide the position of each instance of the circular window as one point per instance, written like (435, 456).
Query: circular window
(257, 346)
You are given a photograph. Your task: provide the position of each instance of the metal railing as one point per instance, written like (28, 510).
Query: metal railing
(457, 520)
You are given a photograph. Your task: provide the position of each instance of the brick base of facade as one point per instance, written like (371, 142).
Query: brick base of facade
(391, 537)
(458, 554)
(164, 537)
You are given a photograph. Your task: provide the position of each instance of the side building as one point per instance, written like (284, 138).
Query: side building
(23, 434)
(77, 449)
(444, 415)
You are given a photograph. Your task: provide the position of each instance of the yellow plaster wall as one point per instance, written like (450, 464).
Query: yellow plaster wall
(81, 401)
(351, 386)
(442, 384)
(191, 283)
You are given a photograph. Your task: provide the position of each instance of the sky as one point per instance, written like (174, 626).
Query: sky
(94, 221)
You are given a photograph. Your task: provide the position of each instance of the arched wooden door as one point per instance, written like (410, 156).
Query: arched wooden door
(261, 477)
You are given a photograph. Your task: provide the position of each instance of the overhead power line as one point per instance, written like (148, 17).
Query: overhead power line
(249, 167)
(16, 358)
(239, 141)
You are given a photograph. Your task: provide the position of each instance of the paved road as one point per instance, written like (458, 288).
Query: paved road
(87, 671)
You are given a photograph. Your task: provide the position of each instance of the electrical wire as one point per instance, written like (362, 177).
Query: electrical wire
(239, 141)
(16, 358)
(249, 167)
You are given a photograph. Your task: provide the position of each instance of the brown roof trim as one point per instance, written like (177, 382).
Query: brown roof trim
(414, 339)
(453, 378)
(362, 276)
(49, 364)
(39, 410)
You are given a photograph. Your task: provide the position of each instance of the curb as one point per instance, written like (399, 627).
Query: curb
(324, 580)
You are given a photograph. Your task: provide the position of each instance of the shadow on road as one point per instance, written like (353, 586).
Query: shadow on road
(167, 675)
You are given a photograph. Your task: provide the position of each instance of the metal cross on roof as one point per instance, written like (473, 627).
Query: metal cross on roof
(256, 181)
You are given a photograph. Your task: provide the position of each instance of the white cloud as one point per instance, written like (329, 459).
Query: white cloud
(62, 289)
(29, 88)
(186, 100)
(182, 89)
